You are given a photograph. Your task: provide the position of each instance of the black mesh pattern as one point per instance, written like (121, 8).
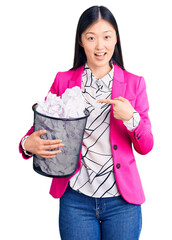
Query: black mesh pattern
(71, 132)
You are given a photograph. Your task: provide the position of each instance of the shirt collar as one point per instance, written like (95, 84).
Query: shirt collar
(107, 79)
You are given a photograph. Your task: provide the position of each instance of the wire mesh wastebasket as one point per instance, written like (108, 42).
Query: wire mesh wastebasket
(71, 132)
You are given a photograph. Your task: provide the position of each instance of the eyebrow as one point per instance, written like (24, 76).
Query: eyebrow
(94, 33)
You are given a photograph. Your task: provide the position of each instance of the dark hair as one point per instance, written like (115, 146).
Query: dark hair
(88, 17)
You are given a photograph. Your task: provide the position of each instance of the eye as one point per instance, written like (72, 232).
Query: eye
(91, 38)
(107, 37)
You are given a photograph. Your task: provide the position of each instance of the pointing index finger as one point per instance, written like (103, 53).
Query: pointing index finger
(110, 101)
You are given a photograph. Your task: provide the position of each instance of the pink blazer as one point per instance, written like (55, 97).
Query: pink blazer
(133, 88)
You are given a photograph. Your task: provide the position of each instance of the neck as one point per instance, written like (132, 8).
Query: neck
(99, 72)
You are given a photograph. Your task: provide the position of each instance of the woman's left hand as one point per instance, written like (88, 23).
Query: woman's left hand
(122, 108)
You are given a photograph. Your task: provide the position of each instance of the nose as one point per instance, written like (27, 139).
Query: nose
(99, 44)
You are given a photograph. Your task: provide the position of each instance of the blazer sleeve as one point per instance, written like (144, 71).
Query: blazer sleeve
(54, 90)
(141, 136)
(31, 130)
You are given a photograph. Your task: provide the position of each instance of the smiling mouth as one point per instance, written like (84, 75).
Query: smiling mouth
(100, 54)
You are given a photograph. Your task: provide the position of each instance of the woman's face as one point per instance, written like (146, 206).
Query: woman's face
(98, 41)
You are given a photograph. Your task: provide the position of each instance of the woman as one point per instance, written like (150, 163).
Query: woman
(102, 200)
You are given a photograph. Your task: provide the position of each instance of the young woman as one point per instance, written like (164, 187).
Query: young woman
(102, 200)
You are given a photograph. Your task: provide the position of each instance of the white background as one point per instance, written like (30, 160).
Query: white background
(37, 41)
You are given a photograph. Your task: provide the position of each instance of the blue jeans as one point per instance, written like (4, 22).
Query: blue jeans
(86, 218)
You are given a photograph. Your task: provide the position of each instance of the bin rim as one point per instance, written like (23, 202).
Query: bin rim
(86, 111)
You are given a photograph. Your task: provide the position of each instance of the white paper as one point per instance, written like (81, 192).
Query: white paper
(71, 105)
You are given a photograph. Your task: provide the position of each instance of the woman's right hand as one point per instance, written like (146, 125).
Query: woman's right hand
(42, 147)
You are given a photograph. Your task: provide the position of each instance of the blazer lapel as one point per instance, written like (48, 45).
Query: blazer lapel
(76, 78)
(119, 84)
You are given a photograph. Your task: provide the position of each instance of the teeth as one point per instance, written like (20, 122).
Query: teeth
(99, 54)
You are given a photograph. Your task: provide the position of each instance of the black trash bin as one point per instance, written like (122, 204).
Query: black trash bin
(71, 132)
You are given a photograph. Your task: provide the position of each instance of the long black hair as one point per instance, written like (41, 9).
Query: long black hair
(88, 17)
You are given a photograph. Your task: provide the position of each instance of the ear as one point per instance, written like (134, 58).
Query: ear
(80, 43)
(115, 45)
(116, 39)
